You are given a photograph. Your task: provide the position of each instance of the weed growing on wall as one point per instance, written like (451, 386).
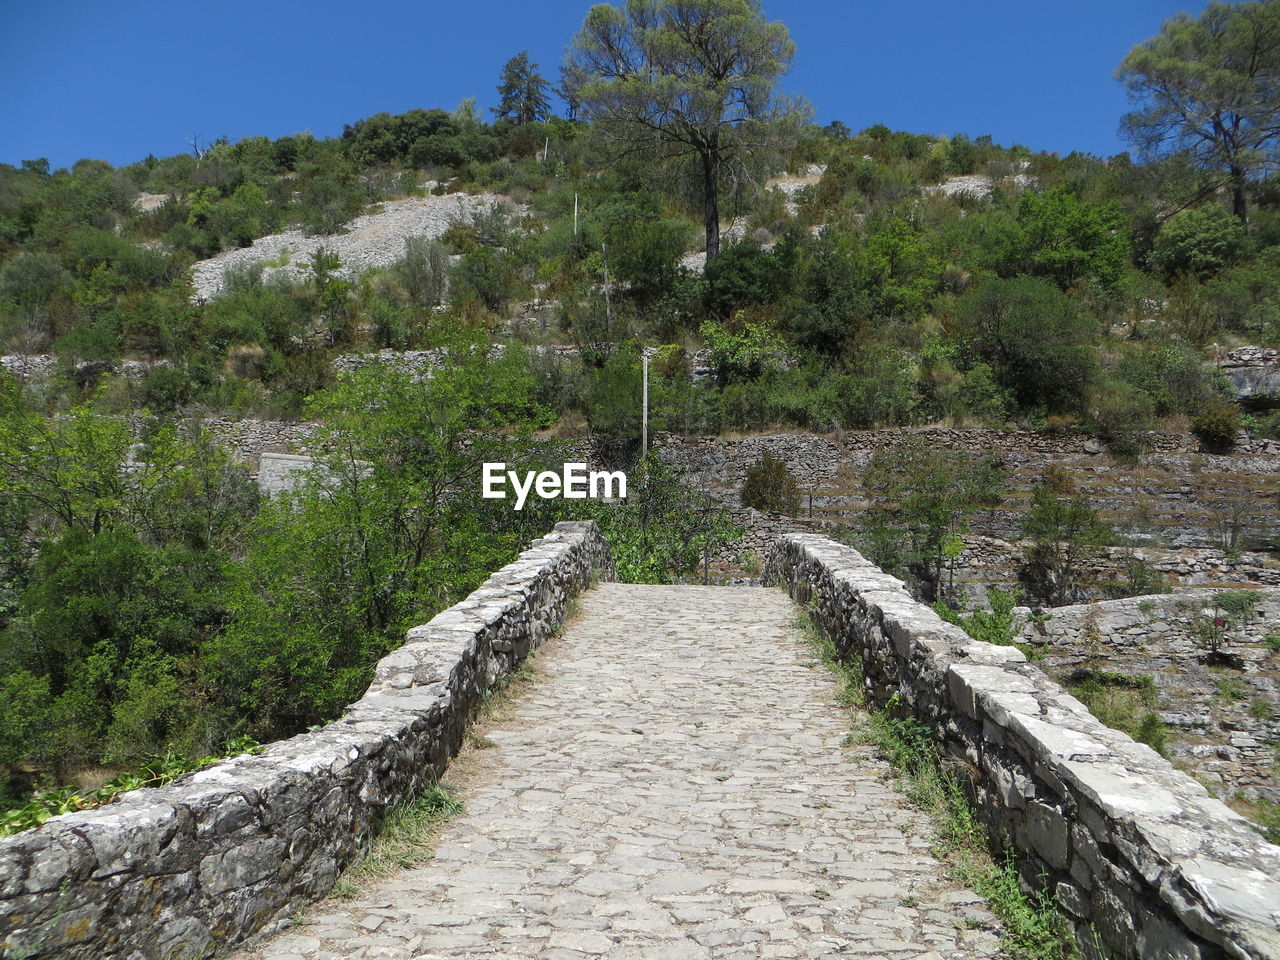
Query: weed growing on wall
(1034, 929)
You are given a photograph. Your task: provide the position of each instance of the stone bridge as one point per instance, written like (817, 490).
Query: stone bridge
(676, 782)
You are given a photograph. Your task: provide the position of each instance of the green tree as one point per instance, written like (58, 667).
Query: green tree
(685, 79)
(923, 500)
(770, 486)
(522, 92)
(1035, 337)
(1205, 89)
(1066, 532)
(1202, 242)
(386, 530)
(1068, 240)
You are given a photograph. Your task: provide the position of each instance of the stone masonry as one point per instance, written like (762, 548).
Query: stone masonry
(673, 786)
(1227, 742)
(183, 870)
(1137, 854)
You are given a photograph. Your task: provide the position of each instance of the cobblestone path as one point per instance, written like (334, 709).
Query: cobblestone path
(674, 785)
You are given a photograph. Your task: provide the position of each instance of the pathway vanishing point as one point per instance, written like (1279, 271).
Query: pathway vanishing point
(675, 785)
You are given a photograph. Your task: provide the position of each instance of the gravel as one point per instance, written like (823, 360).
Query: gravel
(372, 240)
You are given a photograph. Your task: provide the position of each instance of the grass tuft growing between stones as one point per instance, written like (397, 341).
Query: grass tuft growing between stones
(407, 835)
(1034, 929)
(1122, 702)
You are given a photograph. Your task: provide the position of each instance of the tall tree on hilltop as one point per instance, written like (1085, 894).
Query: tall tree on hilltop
(1209, 89)
(686, 79)
(522, 91)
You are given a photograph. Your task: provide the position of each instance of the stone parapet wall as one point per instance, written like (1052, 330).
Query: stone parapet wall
(1132, 849)
(211, 859)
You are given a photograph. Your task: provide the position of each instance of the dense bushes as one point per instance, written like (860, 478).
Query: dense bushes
(868, 299)
(770, 486)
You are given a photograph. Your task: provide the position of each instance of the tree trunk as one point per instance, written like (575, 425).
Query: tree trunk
(1239, 205)
(710, 198)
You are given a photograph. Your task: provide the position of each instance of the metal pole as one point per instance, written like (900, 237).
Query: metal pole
(575, 214)
(644, 416)
(608, 304)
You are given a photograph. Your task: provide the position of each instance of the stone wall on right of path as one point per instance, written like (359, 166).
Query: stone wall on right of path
(1221, 713)
(1143, 862)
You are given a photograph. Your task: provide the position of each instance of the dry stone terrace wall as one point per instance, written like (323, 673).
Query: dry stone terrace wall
(1132, 849)
(1176, 500)
(1227, 742)
(218, 855)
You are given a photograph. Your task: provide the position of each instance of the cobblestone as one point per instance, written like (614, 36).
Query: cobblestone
(676, 785)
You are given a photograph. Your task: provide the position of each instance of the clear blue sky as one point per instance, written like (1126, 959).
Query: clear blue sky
(116, 81)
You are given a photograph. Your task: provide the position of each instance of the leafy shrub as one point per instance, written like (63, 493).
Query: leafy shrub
(1120, 415)
(1201, 241)
(424, 271)
(1035, 337)
(1246, 298)
(769, 486)
(1171, 374)
(1069, 240)
(154, 773)
(988, 626)
(488, 276)
(1217, 424)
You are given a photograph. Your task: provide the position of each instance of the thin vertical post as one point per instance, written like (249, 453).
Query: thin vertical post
(644, 415)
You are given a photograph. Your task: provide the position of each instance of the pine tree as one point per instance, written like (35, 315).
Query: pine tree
(523, 91)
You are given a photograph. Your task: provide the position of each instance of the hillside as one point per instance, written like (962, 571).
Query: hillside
(986, 366)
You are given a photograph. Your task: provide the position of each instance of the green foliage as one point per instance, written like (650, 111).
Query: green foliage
(1220, 65)
(1066, 532)
(996, 625)
(1034, 337)
(1122, 702)
(922, 502)
(1070, 241)
(1171, 375)
(376, 538)
(424, 271)
(745, 344)
(664, 528)
(1202, 242)
(770, 486)
(486, 275)
(522, 91)
(1120, 414)
(1246, 298)
(1232, 690)
(156, 772)
(1217, 424)
(1268, 817)
(687, 80)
